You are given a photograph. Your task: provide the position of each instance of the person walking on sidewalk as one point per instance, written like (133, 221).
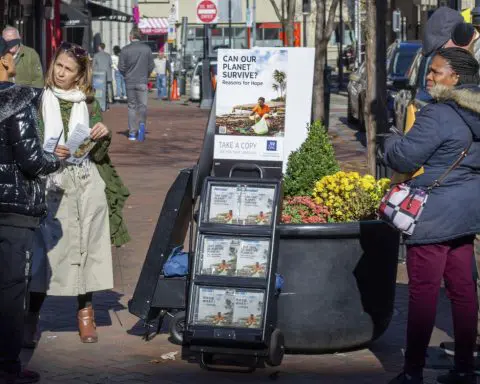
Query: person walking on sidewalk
(72, 255)
(161, 69)
(136, 64)
(442, 244)
(27, 62)
(22, 205)
(102, 62)
(120, 91)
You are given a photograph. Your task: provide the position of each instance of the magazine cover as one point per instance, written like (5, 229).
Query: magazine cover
(214, 306)
(252, 260)
(250, 109)
(219, 256)
(248, 309)
(223, 208)
(257, 206)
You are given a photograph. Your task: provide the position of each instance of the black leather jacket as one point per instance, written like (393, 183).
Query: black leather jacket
(22, 159)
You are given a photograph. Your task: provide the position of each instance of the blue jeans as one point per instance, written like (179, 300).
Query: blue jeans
(161, 86)
(120, 84)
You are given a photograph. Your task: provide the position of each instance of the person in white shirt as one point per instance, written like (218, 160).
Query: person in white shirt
(161, 68)
(120, 91)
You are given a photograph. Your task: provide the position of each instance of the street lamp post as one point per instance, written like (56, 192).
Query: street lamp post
(207, 97)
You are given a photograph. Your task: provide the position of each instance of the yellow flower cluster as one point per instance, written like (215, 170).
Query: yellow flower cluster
(349, 196)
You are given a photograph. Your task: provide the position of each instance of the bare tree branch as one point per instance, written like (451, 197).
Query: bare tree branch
(331, 17)
(277, 10)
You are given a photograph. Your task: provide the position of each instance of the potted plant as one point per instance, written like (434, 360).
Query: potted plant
(338, 261)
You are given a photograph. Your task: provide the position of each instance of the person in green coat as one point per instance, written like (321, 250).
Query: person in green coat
(72, 256)
(27, 61)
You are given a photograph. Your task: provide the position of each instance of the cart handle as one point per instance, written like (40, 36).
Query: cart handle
(246, 167)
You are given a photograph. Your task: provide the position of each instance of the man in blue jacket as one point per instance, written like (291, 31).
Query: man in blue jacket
(22, 206)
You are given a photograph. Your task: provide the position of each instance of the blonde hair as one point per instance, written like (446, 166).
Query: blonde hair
(84, 82)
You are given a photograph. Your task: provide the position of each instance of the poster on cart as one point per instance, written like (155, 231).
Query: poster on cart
(248, 308)
(218, 256)
(252, 258)
(263, 104)
(214, 306)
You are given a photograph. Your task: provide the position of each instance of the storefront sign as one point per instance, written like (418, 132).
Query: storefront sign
(207, 11)
(264, 99)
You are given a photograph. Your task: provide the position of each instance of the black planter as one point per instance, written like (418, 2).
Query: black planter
(339, 284)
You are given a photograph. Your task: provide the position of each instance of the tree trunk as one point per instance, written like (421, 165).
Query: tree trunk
(323, 32)
(375, 104)
(290, 24)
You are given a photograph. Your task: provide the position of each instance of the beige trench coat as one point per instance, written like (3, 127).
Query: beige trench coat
(72, 253)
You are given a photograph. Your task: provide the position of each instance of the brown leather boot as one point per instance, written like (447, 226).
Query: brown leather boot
(30, 330)
(87, 326)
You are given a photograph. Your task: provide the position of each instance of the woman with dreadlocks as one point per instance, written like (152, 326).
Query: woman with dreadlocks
(442, 243)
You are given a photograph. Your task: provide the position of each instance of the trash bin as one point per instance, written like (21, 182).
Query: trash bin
(182, 82)
(327, 78)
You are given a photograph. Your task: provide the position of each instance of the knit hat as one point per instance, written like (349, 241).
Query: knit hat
(463, 34)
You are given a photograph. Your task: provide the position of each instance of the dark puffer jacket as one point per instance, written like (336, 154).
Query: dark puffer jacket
(441, 132)
(22, 159)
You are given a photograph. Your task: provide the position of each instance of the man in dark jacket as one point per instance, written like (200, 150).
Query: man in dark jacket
(22, 205)
(136, 64)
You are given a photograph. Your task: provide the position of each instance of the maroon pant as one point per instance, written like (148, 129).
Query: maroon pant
(426, 266)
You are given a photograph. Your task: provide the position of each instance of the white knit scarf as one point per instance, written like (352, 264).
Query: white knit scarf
(52, 117)
(53, 125)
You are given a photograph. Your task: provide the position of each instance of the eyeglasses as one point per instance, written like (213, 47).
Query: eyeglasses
(77, 50)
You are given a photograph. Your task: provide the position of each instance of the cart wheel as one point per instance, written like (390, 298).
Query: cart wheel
(277, 348)
(177, 327)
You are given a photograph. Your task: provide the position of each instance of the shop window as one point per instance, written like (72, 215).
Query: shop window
(217, 31)
(271, 34)
(240, 33)
(199, 32)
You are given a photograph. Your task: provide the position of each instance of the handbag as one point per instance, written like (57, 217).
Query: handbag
(402, 205)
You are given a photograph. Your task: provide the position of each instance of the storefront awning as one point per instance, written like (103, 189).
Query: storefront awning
(72, 17)
(153, 25)
(103, 13)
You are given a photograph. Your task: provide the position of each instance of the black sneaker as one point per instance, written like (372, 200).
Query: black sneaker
(449, 348)
(454, 377)
(403, 378)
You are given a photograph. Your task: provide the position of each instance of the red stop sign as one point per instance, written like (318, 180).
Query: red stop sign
(207, 11)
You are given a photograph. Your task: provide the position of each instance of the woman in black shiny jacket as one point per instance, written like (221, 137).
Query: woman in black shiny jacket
(22, 159)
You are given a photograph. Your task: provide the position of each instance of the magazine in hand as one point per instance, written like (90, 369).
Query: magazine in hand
(248, 309)
(79, 143)
(252, 258)
(215, 306)
(219, 256)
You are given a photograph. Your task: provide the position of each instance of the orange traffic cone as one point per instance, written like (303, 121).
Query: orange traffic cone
(175, 91)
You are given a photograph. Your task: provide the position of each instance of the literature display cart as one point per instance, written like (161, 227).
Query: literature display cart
(231, 309)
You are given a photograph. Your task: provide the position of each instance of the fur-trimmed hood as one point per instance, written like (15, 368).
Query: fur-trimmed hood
(14, 98)
(465, 100)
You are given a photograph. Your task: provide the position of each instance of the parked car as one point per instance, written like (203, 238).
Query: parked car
(400, 56)
(413, 93)
(196, 80)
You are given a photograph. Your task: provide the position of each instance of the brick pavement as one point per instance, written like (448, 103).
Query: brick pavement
(173, 141)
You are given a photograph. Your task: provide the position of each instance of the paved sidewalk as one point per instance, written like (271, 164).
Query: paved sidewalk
(173, 141)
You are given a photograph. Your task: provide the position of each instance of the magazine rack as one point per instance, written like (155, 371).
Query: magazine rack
(231, 309)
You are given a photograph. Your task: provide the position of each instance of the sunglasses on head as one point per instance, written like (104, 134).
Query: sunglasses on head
(77, 50)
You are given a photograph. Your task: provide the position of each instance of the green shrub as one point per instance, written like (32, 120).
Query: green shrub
(313, 160)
